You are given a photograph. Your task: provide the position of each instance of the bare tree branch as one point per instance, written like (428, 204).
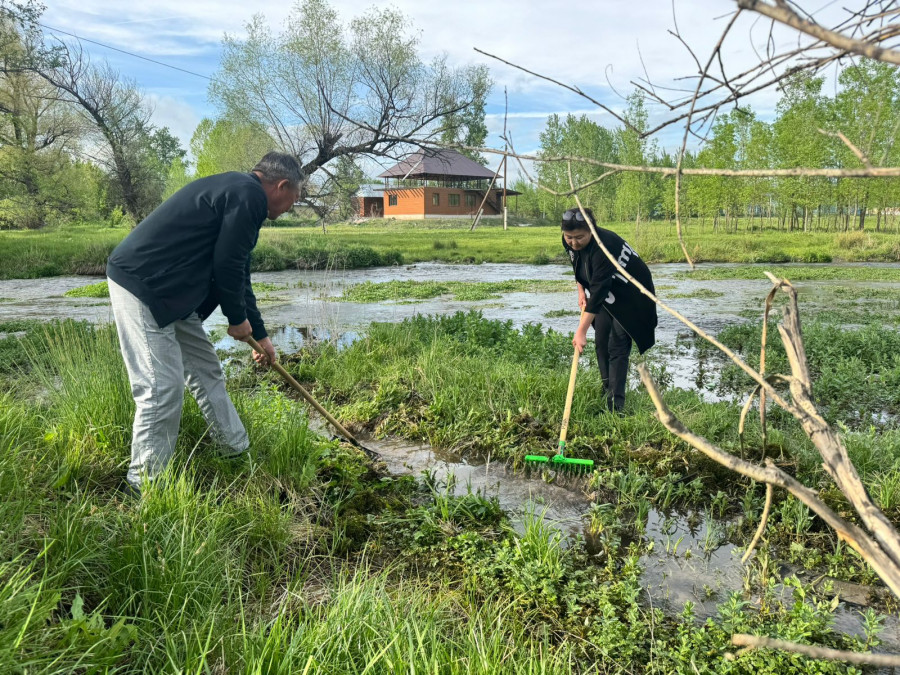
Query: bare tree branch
(862, 658)
(564, 86)
(846, 141)
(853, 535)
(782, 13)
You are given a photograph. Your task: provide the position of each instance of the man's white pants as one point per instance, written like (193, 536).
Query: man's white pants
(160, 363)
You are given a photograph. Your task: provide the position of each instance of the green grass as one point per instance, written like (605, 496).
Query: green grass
(557, 313)
(856, 372)
(72, 249)
(83, 249)
(460, 290)
(700, 293)
(307, 561)
(796, 273)
(267, 287)
(98, 290)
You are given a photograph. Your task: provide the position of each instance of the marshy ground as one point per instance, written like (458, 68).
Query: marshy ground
(445, 556)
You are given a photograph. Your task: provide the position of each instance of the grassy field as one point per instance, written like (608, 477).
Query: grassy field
(798, 273)
(309, 560)
(83, 249)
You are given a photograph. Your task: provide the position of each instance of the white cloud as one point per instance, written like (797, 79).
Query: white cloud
(601, 47)
(537, 114)
(181, 118)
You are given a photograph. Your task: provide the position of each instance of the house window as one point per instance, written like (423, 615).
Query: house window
(392, 200)
(436, 199)
(470, 201)
(453, 200)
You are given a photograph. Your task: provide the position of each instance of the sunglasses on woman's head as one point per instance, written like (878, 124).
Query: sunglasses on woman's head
(573, 214)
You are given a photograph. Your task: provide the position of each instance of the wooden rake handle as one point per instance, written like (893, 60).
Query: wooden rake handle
(570, 394)
(309, 398)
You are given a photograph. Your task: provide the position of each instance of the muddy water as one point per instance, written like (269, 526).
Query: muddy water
(305, 304)
(690, 558)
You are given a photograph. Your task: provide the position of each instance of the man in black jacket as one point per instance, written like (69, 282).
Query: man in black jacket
(616, 309)
(189, 256)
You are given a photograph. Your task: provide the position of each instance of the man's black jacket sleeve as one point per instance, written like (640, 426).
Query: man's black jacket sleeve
(253, 313)
(243, 212)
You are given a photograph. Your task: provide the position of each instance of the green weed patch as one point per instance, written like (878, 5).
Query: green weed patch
(796, 273)
(460, 290)
(99, 290)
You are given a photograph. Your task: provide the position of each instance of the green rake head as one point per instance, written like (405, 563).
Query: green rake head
(561, 463)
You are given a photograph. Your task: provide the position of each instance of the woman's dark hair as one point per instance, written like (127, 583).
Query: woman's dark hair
(573, 219)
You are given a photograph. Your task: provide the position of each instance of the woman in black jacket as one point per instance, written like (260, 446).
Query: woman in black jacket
(616, 309)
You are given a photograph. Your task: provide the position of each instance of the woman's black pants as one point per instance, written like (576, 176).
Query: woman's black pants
(613, 346)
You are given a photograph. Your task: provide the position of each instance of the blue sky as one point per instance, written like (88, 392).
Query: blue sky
(598, 46)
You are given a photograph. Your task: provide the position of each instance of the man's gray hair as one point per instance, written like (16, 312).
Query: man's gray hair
(278, 166)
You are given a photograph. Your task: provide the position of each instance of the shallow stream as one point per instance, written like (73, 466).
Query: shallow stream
(304, 303)
(690, 558)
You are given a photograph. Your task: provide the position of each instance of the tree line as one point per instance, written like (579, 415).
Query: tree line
(77, 139)
(803, 133)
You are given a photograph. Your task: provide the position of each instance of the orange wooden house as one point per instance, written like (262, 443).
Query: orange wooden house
(434, 184)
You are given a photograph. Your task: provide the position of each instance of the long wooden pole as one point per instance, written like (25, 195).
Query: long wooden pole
(313, 402)
(478, 212)
(504, 191)
(570, 394)
(506, 150)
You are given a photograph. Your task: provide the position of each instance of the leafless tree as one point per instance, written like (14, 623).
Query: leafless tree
(118, 116)
(324, 94)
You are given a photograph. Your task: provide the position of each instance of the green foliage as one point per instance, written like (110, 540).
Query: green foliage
(99, 290)
(704, 293)
(573, 136)
(635, 192)
(467, 127)
(369, 291)
(223, 145)
(281, 253)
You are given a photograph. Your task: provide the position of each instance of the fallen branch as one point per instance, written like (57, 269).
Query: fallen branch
(862, 658)
(852, 534)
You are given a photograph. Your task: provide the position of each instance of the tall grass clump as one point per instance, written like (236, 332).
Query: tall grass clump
(98, 290)
(406, 628)
(89, 409)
